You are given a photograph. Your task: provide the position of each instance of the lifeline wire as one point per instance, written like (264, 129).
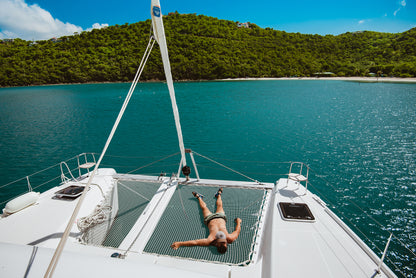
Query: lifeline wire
(227, 168)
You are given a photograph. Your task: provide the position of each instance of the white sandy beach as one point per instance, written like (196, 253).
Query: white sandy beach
(359, 79)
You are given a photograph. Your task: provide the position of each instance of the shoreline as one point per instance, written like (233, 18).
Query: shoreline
(355, 79)
(352, 79)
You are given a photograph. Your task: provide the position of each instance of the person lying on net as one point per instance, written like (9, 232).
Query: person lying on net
(218, 235)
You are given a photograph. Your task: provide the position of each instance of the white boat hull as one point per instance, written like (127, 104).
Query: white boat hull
(323, 247)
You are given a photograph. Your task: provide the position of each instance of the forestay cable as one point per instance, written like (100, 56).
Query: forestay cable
(59, 249)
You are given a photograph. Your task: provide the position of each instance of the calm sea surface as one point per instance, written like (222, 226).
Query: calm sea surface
(358, 138)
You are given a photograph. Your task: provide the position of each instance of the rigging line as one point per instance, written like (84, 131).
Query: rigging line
(135, 192)
(339, 211)
(256, 161)
(43, 170)
(147, 220)
(372, 218)
(346, 218)
(123, 156)
(405, 245)
(54, 261)
(396, 267)
(373, 243)
(334, 207)
(183, 206)
(154, 162)
(252, 203)
(232, 170)
(35, 187)
(351, 201)
(201, 165)
(46, 182)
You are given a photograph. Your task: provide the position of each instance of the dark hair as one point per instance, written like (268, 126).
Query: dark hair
(222, 248)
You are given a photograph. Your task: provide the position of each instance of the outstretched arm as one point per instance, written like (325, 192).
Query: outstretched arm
(196, 242)
(234, 235)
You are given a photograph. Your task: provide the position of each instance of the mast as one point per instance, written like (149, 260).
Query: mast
(159, 34)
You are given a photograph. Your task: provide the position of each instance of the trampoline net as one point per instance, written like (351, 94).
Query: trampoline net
(133, 197)
(183, 220)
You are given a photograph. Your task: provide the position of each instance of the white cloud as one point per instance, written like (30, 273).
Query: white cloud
(366, 21)
(20, 20)
(402, 5)
(98, 26)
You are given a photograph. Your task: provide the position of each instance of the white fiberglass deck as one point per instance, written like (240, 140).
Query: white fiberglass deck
(282, 248)
(325, 247)
(44, 222)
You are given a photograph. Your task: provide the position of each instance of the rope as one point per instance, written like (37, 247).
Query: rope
(228, 168)
(59, 249)
(352, 202)
(131, 190)
(36, 187)
(123, 156)
(98, 216)
(206, 166)
(154, 162)
(252, 203)
(38, 172)
(139, 232)
(32, 189)
(257, 162)
(183, 206)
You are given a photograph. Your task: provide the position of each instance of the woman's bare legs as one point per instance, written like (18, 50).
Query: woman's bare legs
(205, 210)
(219, 201)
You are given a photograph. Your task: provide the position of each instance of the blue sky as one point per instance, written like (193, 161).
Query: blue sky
(43, 19)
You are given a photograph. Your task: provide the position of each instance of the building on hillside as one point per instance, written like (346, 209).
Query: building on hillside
(55, 40)
(243, 25)
(324, 74)
(7, 40)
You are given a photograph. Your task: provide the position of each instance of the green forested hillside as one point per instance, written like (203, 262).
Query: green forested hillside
(202, 47)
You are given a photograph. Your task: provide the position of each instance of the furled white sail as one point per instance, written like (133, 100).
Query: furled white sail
(159, 34)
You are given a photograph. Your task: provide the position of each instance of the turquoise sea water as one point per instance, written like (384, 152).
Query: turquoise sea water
(358, 138)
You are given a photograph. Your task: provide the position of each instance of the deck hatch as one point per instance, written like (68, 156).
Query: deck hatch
(296, 211)
(70, 192)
